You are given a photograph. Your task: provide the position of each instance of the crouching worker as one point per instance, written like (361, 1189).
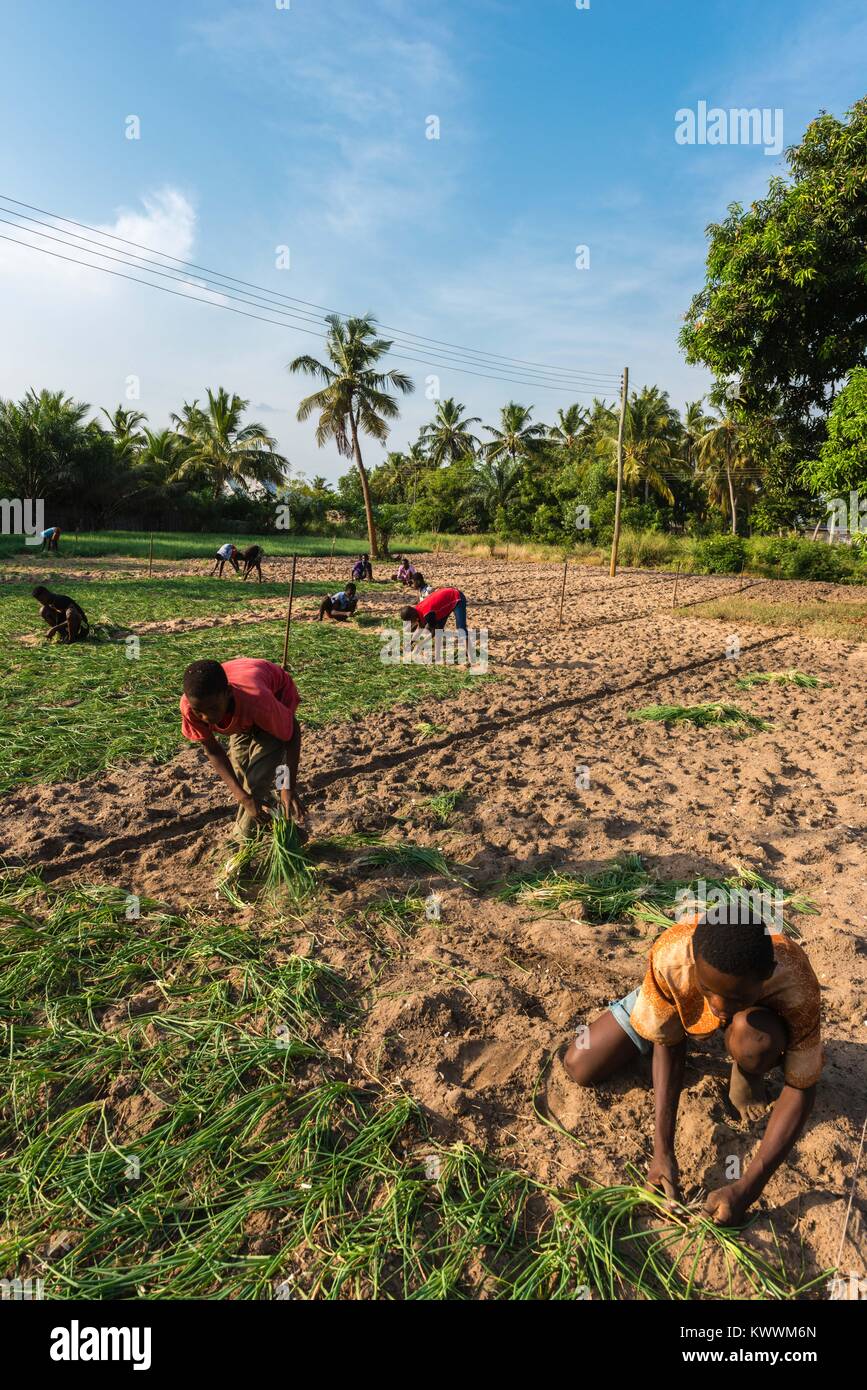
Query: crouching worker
(433, 612)
(252, 558)
(421, 586)
(339, 607)
(704, 975)
(253, 704)
(227, 554)
(66, 619)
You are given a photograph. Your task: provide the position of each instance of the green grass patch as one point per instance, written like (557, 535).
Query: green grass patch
(123, 603)
(844, 621)
(67, 712)
(443, 806)
(798, 678)
(625, 890)
(182, 545)
(715, 714)
(165, 1106)
(373, 852)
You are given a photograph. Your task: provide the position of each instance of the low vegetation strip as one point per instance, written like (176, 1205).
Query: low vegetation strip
(844, 621)
(177, 1128)
(711, 714)
(69, 712)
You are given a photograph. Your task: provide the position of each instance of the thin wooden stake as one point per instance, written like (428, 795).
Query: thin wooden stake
(289, 615)
(563, 593)
(676, 582)
(151, 557)
(615, 541)
(333, 539)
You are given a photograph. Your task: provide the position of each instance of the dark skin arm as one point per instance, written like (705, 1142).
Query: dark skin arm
(219, 760)
(291, 757)
(668, 1068)
(61, 622)
(728, 1205)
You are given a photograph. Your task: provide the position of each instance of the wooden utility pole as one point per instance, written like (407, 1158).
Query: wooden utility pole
(151, 557)
(563, 592)
(615, 542)
(289, 614)
(333, 539)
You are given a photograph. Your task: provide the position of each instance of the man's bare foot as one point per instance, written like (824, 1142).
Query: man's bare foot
(747, 1094)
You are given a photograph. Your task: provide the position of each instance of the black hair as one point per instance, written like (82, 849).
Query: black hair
(204, 678)
(409, 615)
(737, 942)
(418, 580)
(40, 591)
(349, 587)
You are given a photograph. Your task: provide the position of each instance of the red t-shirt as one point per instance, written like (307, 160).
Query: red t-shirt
(265, 696)
(441, 603)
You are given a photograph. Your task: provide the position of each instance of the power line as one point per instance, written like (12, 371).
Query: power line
(285, 321)
(408, 338)
(254, 301)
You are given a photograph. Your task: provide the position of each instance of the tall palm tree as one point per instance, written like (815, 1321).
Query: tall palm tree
(495, 479)
(40, 437)
(516, 438)
(724, 462)
(126, 433)
(354, 396)
(448, 437)
(570, 428)
(695, 424)
(159, 457)
(124, 423)
(650, 433)
(216, 444)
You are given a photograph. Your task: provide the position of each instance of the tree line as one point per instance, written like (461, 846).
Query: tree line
(781, 322)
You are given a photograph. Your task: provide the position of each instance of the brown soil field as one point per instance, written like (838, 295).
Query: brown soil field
(466, 1013)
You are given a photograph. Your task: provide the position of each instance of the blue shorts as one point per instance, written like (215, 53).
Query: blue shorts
(622, 1010)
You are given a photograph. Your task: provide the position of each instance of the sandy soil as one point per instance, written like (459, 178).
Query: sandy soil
(467, 1012)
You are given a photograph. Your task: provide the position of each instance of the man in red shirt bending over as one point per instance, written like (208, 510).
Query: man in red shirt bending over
(253, 703)
(433, 611)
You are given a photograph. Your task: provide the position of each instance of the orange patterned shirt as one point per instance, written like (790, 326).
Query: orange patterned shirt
(670, 1004)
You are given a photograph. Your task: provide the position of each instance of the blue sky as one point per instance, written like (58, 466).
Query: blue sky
(306, 127)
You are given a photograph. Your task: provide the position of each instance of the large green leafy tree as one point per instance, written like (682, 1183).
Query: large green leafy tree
(354, 397)
(841, 467)
(784, 305)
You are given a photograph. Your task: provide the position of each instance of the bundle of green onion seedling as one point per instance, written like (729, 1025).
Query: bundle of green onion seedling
(274, 858)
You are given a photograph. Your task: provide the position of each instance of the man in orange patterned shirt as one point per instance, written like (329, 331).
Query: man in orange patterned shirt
(703, 975)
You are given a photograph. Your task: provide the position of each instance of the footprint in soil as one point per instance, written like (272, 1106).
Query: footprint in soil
(486, 1062)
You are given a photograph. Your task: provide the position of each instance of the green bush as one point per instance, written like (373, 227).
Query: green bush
(719, 555)
(634, 516)
(789, 557)
(648, 549)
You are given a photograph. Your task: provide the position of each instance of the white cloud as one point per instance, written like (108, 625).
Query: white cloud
(167, 223)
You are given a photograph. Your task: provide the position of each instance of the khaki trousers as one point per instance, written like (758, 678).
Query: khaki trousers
(255, 757)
